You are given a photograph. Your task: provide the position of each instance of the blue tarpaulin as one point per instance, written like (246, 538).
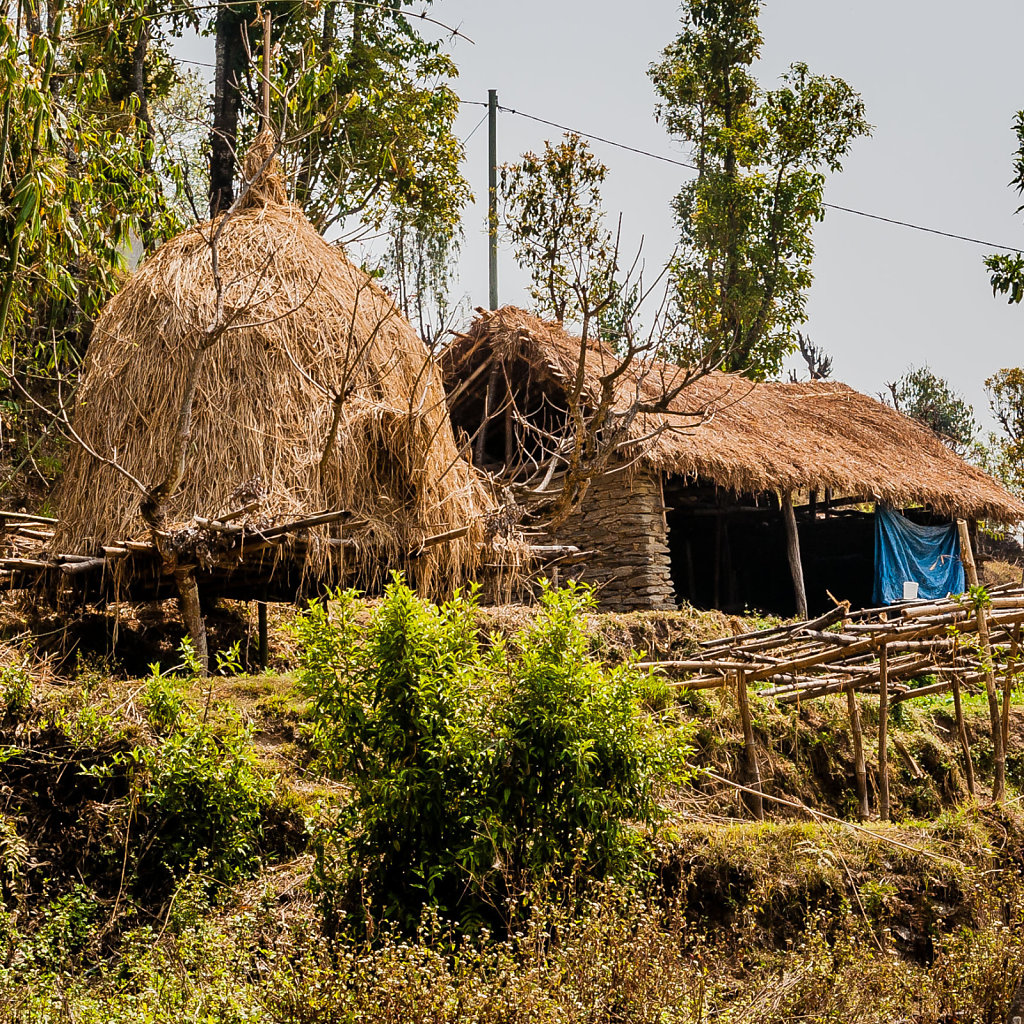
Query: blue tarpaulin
(905, 552)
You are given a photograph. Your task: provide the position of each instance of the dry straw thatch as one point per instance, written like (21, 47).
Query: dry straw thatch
(305, 326)
(749, 437)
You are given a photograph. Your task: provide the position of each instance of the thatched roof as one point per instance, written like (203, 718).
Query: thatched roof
(745, 436)
(307, 325)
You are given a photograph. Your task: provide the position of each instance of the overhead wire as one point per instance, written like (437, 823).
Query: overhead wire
(691, 167)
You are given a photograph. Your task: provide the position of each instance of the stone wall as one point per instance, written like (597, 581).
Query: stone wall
(622, 520)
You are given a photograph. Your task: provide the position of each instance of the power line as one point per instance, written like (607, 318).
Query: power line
(692, 167)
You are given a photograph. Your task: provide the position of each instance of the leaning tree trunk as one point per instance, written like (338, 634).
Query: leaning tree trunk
(231, 31)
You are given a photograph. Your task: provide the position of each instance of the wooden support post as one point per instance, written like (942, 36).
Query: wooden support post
(265, 104)
(961, 732)
(859, 766)
(1008, 680)
(188, 595)
(793, 551)
(753, 772)
(998, 751)
(883, 732)
(261, 619)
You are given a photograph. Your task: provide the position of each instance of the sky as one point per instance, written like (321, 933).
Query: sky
(941, 83)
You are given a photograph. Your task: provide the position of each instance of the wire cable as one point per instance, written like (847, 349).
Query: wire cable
(691, 167)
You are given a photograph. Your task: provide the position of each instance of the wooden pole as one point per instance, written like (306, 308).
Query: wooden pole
(998, 752)
(492, 198)
(753, 772)
(188, 593)
(859, 766)
(883, 732)
(1011, 672)
(793, 551)
(261, 618)
(265, 108)
(961, 732)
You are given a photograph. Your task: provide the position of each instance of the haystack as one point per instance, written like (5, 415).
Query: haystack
(319, 395)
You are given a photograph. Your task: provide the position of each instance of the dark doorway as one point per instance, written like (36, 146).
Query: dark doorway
(728, 551)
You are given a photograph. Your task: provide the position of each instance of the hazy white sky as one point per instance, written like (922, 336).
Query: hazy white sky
(941, 82)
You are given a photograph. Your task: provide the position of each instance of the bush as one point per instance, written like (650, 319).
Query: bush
(204, 797)
(475, 773)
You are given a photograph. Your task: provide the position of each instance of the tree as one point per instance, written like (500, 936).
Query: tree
(744, 264)
(1006, 270)
(817, 360)
(554, 217)
(926, 397)
(1004, 457)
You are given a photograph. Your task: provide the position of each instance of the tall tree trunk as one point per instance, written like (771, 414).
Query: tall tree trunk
(231, 51)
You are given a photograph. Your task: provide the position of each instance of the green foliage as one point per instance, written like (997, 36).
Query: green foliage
(1003, 456)
(554, 217)
(1006, 270)
(163, 700)
(15, 688)
(744, 265)
(926, 397)
(205, 796)
(474, 773)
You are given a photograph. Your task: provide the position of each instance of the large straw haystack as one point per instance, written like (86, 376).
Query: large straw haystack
(305, 327)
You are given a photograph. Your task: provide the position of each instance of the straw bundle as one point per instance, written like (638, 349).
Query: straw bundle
(306, 326)
(745, 437)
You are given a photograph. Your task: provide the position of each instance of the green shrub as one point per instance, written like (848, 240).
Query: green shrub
(204, 798)
(15, 689)
(474, 773)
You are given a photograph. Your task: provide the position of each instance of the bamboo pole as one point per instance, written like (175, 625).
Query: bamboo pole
(961, 732)
(860, 768)
(883, 732)
(793, 552)
(1011, 672)
(998, 752)
(753, 772)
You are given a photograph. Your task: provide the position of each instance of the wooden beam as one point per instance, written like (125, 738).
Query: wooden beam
(793, 552)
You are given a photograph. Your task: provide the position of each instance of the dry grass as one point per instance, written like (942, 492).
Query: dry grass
(306, 327)
(744, 436)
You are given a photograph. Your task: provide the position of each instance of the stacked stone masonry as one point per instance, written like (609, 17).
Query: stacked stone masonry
(622, 521)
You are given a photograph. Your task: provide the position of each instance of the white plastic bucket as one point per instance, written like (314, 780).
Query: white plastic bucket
(910, 590)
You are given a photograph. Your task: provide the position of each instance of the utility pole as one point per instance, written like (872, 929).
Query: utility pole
(492, 197)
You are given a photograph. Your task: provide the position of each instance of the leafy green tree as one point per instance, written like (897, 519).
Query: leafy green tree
(1004, 456)
(78, 179)
(1006, 270)
(926, 397)
(744, 264)
(554, 217)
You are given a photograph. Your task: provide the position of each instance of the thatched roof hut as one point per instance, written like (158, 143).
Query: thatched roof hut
(317, 395)
(724, 443)
(747, 436)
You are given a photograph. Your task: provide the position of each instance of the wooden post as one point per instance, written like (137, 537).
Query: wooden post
(265, 108)
(883, 732)
(492, 198)
(961, 732)
(188, 594)
(793, 551)
(998, 751)
(261, 619)
(859, 767)
(1011, 671)
(753, 772)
